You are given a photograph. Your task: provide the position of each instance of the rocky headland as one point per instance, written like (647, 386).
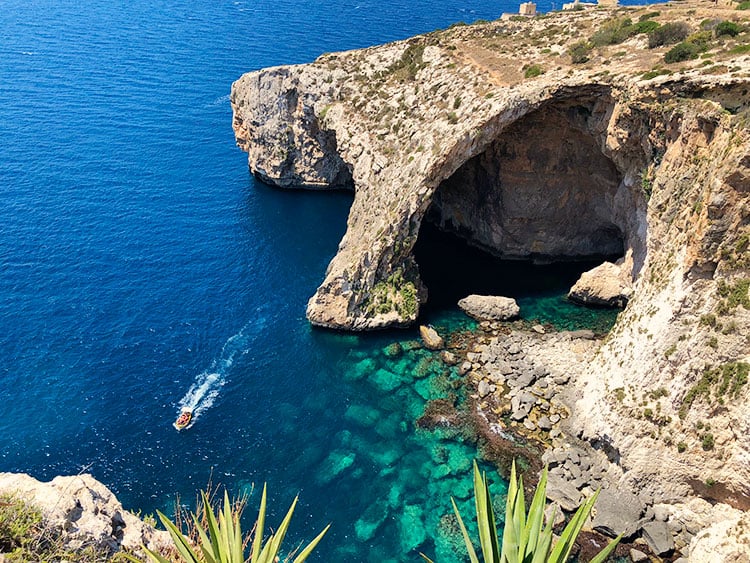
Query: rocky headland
(559, 137)
(80, 515)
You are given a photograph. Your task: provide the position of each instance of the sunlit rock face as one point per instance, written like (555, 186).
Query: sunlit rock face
(542, 190)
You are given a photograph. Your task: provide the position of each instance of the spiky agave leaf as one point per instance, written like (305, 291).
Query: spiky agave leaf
(485, 518)
(259, 525)
(305, 553)
(511, 539)
(531, 536)
(469, 547)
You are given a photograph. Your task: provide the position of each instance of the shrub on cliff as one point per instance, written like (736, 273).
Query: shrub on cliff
(579, 52)
(727, 28)
(668, 34)
(682, 52)
(617, 30)
(525, 537)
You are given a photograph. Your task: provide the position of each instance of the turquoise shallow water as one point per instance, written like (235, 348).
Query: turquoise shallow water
(143, 269)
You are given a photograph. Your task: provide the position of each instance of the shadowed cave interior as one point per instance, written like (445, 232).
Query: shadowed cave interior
(525, 217)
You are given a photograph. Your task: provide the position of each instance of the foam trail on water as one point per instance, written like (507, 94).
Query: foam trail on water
(208, 383)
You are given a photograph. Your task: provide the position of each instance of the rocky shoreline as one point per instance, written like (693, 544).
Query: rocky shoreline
(520, 380)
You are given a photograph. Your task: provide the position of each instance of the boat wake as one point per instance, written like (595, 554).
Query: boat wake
(208, 383)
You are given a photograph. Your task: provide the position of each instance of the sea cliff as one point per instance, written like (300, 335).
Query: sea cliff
(558, 137)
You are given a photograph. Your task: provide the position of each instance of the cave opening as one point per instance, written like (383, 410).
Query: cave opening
(527, 216)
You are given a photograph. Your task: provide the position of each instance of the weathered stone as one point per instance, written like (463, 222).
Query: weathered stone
(658, 537)
(465, 368)
(100, 520)
(606, 285)
(562, 492)
(617, 512)
(539, 329)
(489, 307)
(544, 423)
(484, 388)
(430, 337)
(637, 556)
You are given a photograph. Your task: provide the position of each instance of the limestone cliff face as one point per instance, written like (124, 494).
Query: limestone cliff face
(607, 157)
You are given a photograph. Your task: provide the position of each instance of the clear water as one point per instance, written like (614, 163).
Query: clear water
(142, 269)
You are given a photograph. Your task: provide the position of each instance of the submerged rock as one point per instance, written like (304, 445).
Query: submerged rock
(370, 521)
(336, 463)
(489, 307)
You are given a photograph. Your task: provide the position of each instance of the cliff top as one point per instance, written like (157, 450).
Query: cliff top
(614, 43)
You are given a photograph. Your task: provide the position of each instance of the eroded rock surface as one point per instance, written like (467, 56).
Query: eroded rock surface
(607, 285)
(84, 513)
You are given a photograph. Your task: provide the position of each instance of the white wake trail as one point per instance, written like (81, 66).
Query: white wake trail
(208, 383)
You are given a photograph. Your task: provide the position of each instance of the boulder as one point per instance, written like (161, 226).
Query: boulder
(617, 512)
(606, 285)
(432, 340)
(658, 537)
(562, 492)
(489, 307)
(484, 388)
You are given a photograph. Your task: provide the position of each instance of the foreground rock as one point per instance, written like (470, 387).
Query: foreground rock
(607, 285)
(489, 307)
(84, 513)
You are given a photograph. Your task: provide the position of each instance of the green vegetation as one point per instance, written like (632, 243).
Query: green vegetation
(690, 48)
(406, 68)
(19, 523)
(707, 441)
(620, 394)
(525, 537)
(681, 447)
(648, 75)
(579, 52)
(727, 28)
(533, 71)
(717, 384)
(744, 5)
(648, 16)
(220, 538)
(671, 350)
(735, 294)
(617, 30)
(668, 34)
(395, 293)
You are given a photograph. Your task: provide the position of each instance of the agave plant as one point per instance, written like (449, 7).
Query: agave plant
(223, 542)
(525, 537)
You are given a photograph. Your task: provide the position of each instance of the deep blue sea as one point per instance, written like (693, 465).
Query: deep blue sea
(142, 268)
